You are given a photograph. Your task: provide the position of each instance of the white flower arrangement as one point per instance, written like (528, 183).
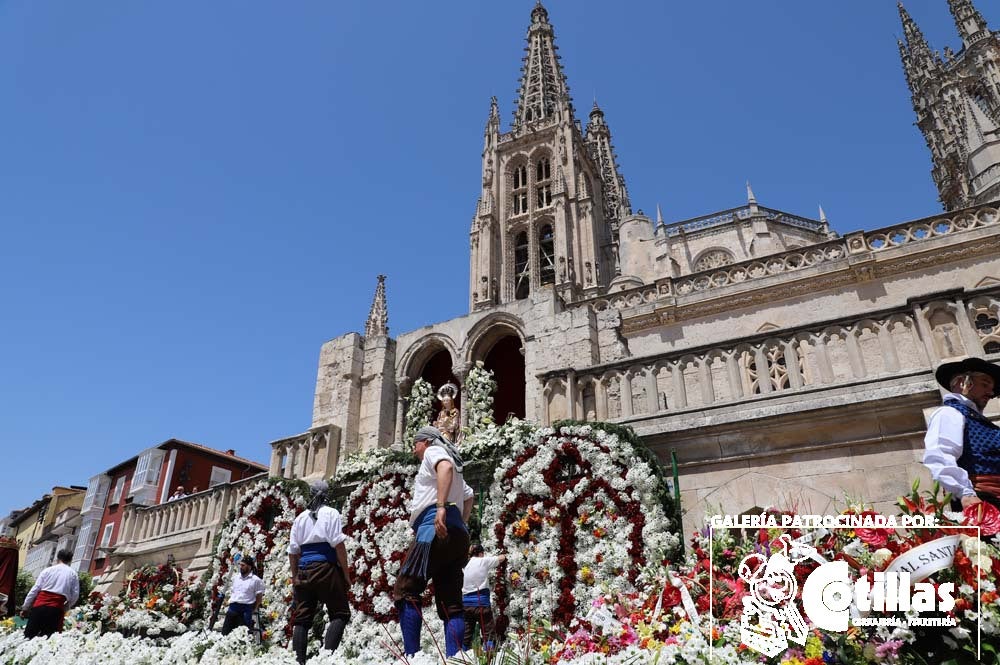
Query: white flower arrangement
(479, 388)
(419, 408)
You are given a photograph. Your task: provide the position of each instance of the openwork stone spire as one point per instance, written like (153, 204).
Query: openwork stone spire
(378, 316)
(544, 93)
(616, 202)
(970, 23)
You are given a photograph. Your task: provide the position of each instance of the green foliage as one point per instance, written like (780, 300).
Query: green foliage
(419, 408)
(25, 581)
(86, 587)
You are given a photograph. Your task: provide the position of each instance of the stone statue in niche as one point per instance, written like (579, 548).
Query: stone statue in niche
(488, 173)
(448, 420)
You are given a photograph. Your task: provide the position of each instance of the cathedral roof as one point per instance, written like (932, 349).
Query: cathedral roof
(732, 215)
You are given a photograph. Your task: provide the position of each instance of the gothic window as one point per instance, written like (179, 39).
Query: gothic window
(773, 370)
(543, 184)
(520, 192)
(546, 256)
(713, 258)
(522, 275)
(988, 326)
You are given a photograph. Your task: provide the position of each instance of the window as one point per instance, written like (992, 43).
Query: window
(714, 258)
(106, 536)
(522, 274)
(97, 492)
(546, 256)
(520, 191)
(116, 496)
(543, 186)
(219, 476)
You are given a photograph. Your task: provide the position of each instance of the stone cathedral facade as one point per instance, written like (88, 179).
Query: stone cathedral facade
(956, 97)
(782, 363)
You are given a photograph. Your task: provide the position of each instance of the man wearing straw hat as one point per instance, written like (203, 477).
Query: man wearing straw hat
(441, 505)
(962, 447)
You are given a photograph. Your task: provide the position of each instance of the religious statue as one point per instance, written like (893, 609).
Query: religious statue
(447, 419)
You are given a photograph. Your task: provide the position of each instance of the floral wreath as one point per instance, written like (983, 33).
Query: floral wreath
(260, 530)
(377, 525)
(572, 508)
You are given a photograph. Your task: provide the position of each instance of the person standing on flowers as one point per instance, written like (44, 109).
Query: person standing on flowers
(442, 502)
(245, 597)
(476, 597)
(320, 574)
(962, 447)
(56, 590)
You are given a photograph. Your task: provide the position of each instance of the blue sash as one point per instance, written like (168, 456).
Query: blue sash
(418, 557)
(477, 599)
(316, 553)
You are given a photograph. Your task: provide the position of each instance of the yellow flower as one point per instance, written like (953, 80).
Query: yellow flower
(814, 647)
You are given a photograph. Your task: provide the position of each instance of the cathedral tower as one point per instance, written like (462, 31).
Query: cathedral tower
(551, 195)
(957, 101)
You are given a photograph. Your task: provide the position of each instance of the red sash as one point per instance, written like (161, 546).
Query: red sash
(49, 599)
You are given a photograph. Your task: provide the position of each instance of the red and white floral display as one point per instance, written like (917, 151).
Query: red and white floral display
(575, 511)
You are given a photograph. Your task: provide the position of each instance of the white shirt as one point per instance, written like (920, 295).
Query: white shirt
(245, 589)
(60, 579)
(327, 528)
(943, 446)
(476, 572)
(425, 484)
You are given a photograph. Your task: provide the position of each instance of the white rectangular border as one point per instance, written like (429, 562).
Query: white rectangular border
(711, 571)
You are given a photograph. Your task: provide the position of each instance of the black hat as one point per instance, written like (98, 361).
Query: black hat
(947, 371)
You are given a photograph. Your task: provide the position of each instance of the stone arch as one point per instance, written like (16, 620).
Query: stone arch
(416, 357)
(498, 342)
(713, 257)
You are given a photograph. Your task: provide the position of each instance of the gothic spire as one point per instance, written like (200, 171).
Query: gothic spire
(822, 215)
(378, 316)
(911, 32)
(968, 20)
(544, 92)
(751, 199)
(616, 202)
(493, 122)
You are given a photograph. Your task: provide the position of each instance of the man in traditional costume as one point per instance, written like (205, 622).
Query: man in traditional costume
(962, 447)
(441, 505)
(476, 597)
(56, 590)
(245, 597)
(320, 573)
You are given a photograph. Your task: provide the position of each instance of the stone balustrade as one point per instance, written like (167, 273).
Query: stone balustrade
(195, 512)
(925, 229)
(849, 255)
(313, 454)
(906, 342)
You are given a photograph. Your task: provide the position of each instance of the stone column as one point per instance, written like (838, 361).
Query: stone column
(925, 333)
(888, 346)
(854, 354)
(823, 359)
(601, 399)
(274, 470)
(625, 383)
(705, 379)
(792, 365)
(652, 391)
(680, 390)
(571, 395)
(733, 370)
(404, 391)
(970, 338)
(763, 371)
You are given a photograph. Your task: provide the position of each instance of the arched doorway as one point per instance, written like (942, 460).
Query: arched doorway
(507, 363)
(437, 372)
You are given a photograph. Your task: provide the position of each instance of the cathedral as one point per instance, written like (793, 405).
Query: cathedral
(772, 360)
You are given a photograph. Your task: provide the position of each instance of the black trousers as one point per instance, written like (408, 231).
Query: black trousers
(43, 621)
(482, 618)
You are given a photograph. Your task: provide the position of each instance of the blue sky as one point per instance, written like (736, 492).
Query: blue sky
(194, 196)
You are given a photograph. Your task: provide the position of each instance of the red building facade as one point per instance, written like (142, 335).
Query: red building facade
(148, 479)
